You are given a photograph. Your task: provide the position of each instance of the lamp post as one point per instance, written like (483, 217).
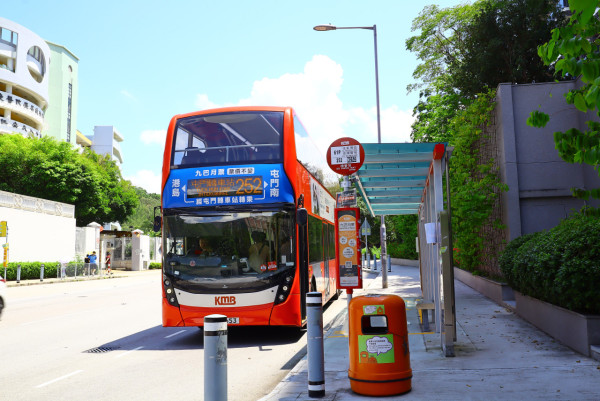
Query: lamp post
(329, 27)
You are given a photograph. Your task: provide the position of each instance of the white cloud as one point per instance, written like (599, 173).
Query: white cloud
(154, 136)
(314, 94)
(146, 179)
(395, 124)
(203, 103)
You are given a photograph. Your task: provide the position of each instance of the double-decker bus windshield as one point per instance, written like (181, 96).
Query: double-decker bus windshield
(228, 138)
(228, 245)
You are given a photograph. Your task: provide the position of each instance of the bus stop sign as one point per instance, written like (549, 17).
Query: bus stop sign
(345, 156)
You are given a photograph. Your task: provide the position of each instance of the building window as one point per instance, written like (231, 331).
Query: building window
(69, 112)
(8, 36)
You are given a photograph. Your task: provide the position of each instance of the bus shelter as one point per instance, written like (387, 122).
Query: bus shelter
(406, 178)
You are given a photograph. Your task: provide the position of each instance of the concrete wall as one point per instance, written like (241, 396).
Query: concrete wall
(38, 229)
(87, 240)
(539, 181)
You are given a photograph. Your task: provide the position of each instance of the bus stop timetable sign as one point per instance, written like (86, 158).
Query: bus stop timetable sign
(345, 156)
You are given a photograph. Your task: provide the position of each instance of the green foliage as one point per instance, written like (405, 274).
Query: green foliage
(155, 265)
(406, 229)
(473, 47)
(560, 266)
(376, 251)
(30, 270)
(440, 42)
(574, 50)
(143, 215)
(433, 114)
(56, 171)
(467, 49)
(474, 186)
(500, 44)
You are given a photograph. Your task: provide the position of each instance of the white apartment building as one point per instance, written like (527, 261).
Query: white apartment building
(24, 60)
(106, 141)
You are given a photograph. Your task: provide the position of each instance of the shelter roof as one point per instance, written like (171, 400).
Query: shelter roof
(394, 176)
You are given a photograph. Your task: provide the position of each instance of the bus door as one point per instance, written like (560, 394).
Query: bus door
(302, 223)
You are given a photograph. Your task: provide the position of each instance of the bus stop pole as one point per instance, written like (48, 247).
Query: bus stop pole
(384, 275)
(215, 358)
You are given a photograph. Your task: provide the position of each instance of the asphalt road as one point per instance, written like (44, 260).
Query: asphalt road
(103, 340)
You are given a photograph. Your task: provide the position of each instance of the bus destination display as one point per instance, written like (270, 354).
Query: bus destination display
(226, 186)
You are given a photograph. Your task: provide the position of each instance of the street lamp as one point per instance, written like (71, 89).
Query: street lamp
(329, 27)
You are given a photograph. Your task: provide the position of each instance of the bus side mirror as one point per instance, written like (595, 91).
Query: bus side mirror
(157, 223)
(157, 220)
(301, 217)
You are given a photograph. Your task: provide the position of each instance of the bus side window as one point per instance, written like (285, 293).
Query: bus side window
(191, 156)
(315, 239)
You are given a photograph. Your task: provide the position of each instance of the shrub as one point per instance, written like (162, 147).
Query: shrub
(29, 270)
(155, 265)
(560, 266)
(376, 252)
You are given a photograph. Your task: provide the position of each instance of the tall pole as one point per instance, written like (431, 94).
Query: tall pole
(377, 86)
(373, 28)
(382, 232)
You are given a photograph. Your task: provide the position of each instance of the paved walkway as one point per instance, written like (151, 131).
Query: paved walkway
(499, 356)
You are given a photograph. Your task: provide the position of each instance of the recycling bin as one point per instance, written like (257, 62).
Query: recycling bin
(378, 339)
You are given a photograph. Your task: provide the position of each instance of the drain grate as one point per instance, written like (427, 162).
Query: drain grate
(100, 350)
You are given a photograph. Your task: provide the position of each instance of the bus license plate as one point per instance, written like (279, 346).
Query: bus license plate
(233, 320)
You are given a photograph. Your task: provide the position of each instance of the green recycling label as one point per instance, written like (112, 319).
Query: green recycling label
(373, 310)
(376, 348)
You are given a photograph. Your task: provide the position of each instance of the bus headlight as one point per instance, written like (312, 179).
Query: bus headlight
(170, 291)
(284, 289)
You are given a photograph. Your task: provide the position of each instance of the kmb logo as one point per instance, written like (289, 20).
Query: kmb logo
(225, 300)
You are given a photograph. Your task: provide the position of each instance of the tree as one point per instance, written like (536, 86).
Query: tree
(434, 112)
(470, 48)
(574, 50)
(143, 215)
(440, 43)
(56, 171)
(501, 42)
(466, 49)
(406, 228)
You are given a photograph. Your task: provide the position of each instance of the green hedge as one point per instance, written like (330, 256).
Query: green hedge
(560, 266)
(155, 265)
(31, 270)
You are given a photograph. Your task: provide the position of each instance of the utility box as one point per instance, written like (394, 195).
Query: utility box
(378, 338)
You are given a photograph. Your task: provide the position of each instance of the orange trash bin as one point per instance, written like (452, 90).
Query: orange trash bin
(378, 338)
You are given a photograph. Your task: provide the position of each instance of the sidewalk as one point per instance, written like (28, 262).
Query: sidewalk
(499, 356)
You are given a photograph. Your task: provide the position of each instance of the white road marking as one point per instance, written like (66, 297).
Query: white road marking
(60, 378)
(174, 334)
(125, 353)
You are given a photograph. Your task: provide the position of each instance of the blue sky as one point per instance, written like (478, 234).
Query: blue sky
(141, 62)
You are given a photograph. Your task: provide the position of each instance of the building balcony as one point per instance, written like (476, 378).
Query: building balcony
(8, 126)
(23, 106)
(36, 69)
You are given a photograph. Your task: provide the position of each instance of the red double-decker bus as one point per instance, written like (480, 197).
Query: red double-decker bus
(247, 223)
